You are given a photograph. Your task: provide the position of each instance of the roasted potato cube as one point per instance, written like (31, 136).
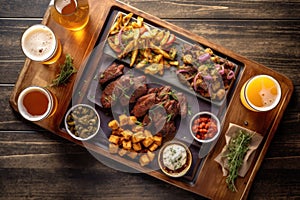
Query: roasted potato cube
(153, 147)
(147, 133)
(114, 124)
(157, 140)
(137, 137)
(123, 119)
(137, 146)
(117, 132)
(150, 155)
(122, 152)
(126, 144)
(132, 120)
(132, 154)
(113, 148)
(144, 160)
(137, 128)
(148, 141)
(114, 139)
(127, 134)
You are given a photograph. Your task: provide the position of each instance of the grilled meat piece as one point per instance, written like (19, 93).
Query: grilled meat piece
(126, 90)
(108, 96)
(143, 104)
(172, 109)
(111, 73)
(182, 104)
(168, 129)
(134, 90)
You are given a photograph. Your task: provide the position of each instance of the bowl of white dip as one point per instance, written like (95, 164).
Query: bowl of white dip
(175, 159)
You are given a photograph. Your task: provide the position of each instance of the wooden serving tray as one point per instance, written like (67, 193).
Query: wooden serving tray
(208, 181)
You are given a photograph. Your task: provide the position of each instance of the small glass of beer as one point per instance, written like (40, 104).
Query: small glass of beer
(36, 103)
(71, 14)
(260, 93)
(39, 43)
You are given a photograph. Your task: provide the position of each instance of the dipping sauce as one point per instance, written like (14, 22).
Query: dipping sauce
(36, 103)
(175, 159)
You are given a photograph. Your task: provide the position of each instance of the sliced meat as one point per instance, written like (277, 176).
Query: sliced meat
(107, 97)
(110, 74)
(163, 94)
(171, 107)
(168, 129)
(143, 104)
(182, 104)
(134, 90)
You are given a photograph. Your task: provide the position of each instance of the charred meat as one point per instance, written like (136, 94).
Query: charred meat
(110, 74)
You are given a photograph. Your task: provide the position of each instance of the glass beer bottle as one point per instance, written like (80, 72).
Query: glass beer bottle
(71, 14)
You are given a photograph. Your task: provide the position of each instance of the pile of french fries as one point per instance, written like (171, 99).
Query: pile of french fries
(131, 139)
(148, 48)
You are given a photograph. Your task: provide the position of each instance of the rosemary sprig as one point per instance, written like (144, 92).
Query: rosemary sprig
(238, 147)
(66, 71)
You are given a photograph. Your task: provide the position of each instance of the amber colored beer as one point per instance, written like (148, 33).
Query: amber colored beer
(260, 93)
(71, 14)
(36, 103)
(40, 44)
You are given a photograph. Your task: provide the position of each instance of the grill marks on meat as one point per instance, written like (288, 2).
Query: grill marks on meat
(143, 105)
(111, 73)
(125, 90)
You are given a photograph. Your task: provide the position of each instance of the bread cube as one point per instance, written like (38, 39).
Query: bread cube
(113, 148)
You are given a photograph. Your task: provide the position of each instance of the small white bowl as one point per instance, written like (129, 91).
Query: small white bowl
(175, 173)
(210, 115)
(96, 128)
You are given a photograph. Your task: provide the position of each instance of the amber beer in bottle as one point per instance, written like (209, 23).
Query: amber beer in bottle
(71, 14)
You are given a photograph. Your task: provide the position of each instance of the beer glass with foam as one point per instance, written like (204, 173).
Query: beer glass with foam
(39, 43)
(260, 93)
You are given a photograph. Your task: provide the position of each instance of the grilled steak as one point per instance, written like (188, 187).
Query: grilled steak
(182, 104)
(143, 104)
(110, 74)
(126, 90)
(107, 97)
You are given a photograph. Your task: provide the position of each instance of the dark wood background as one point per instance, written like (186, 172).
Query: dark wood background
(37, 164)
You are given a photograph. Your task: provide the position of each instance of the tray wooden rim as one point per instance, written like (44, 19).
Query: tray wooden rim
(250, 68)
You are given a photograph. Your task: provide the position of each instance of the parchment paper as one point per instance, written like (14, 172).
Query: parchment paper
(232, 131)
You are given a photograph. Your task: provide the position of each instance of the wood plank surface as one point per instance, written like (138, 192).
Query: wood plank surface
(37, 164)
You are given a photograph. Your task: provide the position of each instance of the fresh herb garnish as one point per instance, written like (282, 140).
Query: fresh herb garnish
(66, 71)
(238, 147)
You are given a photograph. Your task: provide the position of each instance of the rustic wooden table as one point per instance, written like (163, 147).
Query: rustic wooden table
(37, 164)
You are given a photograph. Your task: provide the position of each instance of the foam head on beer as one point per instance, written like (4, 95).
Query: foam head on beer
(39, 43)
